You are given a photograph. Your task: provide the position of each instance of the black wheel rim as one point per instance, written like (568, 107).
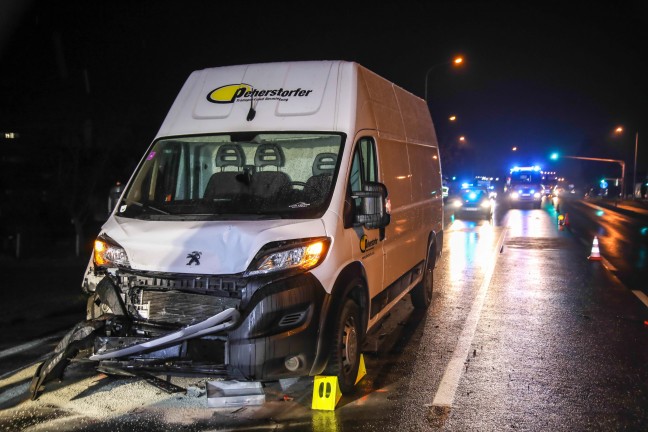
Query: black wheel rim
(349, 344)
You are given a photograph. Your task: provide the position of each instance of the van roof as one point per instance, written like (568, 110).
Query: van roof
(315, 95)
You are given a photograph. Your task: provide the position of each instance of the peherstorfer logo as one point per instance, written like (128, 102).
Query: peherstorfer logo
(363, 243)
(229, 93)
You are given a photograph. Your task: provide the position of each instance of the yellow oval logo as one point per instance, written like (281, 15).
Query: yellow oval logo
(363, 243)
(228, 93)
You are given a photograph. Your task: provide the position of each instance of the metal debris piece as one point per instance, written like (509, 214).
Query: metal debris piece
(230, 393)
(80, 337)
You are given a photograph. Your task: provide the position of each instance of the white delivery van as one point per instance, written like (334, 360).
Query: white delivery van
(280, 213)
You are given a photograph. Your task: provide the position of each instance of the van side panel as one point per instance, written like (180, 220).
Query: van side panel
(426, 188)
(416, 118)
(384, 103)
(400, 235)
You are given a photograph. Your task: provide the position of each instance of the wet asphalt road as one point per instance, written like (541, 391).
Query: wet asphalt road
(622, 236)
(524, 333)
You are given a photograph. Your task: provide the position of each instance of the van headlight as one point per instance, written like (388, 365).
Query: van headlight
(485, 203)
(304, 254)
(107, 253)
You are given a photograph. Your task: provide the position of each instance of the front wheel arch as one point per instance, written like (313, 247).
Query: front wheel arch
(421, 294)
(351, 283)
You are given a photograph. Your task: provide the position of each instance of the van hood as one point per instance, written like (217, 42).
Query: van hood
(205, 247)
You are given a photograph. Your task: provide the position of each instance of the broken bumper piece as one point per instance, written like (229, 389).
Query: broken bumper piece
(85, 335)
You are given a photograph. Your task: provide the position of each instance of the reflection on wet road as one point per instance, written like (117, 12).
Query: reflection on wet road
(622, 237)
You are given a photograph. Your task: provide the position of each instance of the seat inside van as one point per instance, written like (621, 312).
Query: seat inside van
(267, 182)
(223, 183)
(318, 184)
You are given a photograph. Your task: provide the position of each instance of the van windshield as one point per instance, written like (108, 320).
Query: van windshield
(235, 176)
(525, 177)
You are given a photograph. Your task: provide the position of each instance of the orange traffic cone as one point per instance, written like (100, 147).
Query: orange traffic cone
(595, 254)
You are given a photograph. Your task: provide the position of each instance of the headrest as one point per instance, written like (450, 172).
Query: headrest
(230, 155)
(269, 154)
(324, 163)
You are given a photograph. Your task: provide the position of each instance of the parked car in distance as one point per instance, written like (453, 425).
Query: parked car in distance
(472, 202)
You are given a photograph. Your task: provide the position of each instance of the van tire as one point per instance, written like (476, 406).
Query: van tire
(345, 353)
(422, 292)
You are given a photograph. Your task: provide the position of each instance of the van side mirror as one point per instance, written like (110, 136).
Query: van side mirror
(113, 196)
(372, 212)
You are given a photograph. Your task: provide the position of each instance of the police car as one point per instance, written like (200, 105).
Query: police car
(472, 202)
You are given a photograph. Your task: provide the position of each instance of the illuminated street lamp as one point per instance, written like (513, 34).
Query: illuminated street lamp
(514, 148)
(457, 61)
(618, 131)
(452, 118)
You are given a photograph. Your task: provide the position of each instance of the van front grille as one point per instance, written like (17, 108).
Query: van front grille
(178, 308)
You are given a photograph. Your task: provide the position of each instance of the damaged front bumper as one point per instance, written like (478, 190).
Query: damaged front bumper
(219, 322)
(259, 328)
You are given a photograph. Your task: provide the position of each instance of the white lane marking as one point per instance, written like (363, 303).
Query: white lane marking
(13, 392)
(608, 265)
(28, 345)
(17, 384)
(641, 296)
(446, 392)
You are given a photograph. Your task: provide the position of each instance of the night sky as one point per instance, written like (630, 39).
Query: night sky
(542, 76)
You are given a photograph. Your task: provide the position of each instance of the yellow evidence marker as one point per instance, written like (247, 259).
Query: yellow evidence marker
(326, 392)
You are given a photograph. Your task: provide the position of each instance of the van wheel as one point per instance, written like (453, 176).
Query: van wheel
(422, 293)
(344, 359)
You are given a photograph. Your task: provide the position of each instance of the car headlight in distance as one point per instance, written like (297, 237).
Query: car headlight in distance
(515, 195)
(107, 253)
(486, 203)
(457, 203)
(304, 254)
(537, 195)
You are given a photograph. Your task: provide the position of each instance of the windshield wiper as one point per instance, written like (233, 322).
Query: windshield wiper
(148, 206)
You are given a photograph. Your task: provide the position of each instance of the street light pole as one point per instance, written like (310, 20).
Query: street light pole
(620, 162)
(427, 74)
(619, 130)
(457, 61)
(634, 170)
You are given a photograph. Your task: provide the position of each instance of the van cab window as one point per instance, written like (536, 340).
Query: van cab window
(363, 166)
(240, 176)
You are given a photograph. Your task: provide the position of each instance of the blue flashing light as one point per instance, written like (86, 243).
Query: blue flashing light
(526, 168)
(464, 185)
(472, 196)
